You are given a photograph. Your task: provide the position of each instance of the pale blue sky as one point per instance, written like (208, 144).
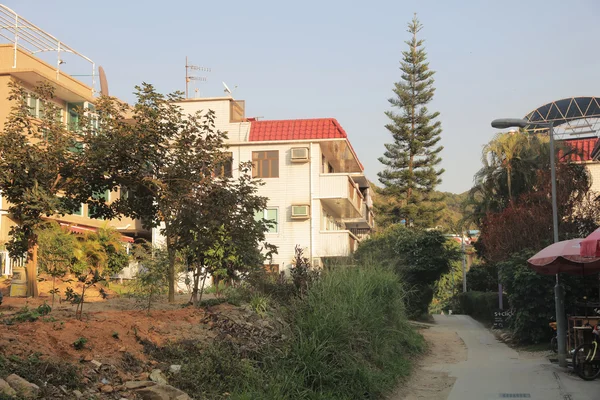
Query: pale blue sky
(339, 59)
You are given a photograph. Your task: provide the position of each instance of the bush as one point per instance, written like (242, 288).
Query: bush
(479, 305)
(418, 256)
(348, 339)
(483, 278)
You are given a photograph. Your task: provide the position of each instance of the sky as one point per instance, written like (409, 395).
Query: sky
(340, 59)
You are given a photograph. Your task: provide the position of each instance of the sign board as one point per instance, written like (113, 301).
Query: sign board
(500, 318)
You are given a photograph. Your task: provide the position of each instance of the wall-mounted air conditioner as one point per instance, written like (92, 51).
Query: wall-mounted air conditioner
(299, 154)
(300, 212)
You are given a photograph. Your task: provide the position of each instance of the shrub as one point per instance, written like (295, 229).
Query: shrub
(42, 372)
(479, 305)
(483, 278)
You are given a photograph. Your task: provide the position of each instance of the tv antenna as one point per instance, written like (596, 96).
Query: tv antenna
(227, 90)
(189, 77)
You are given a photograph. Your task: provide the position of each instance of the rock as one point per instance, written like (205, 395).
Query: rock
(161, 392)
(6, 389)
(105, 381)
(144, 376)
(25, 389)
(107, 389)
(122, 349)
(175, 369)
(157, 376)
(131, 385)
(77, 394)
(97, 364)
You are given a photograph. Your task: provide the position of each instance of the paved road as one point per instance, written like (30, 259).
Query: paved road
(495, 371)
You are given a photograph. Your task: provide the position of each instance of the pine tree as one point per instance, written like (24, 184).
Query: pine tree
(410, 176)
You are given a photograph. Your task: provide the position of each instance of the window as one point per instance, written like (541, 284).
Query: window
(225, 168)
(80, 211)
(73, 115)
(272, 269)
(265, 164)
(36, 105)
(98, 196)
(271, 215)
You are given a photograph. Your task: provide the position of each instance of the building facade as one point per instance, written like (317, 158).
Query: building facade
(319, 197)
(21, 64)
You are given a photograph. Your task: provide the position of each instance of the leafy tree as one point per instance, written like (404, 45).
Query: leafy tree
(222, 237)
(419, 257)
(36, 168)
(56, 252)
(411, 159)
(151, 280)
(164, 159)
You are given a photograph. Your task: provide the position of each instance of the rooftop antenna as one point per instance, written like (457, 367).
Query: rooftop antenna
(227, 90)
(189, 77)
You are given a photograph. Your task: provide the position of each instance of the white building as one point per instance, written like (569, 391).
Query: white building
(318, 194)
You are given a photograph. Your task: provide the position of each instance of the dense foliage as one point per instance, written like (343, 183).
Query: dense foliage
(412, 158)
(348, 339)
(479, 305)
(419, 257)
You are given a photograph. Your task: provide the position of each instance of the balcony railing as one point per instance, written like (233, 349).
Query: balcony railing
(361, 233)
(337, 243)
(340, 193)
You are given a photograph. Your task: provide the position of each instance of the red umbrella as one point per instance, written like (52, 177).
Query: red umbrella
(590, 245)
(564, 257)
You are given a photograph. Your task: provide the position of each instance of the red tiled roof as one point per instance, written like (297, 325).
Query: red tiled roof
(296, 129)
(581, 149)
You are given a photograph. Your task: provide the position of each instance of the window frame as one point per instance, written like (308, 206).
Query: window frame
(258, 167)
(265, 214)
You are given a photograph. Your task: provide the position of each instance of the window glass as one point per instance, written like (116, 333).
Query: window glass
(265, 164)
(271, 215)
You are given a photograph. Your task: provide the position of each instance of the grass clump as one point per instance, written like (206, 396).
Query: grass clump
(42, 372)
(348, 338)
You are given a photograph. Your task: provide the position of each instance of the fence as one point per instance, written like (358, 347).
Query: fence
(7, 264)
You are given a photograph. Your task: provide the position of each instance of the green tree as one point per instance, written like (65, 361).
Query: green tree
(164, 158)
(36, 168)
(56, 252)
(410, 176)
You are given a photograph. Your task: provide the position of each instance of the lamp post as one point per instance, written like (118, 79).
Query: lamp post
(559, 295)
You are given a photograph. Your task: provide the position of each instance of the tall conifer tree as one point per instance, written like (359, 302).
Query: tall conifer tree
(411, 174)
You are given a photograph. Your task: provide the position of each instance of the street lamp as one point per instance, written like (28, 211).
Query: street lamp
(559, 296)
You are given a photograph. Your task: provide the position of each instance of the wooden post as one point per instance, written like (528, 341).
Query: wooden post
(31, 268)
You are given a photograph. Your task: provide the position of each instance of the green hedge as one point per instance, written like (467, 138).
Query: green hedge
(479, 305)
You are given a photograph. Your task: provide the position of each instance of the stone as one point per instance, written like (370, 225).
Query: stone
(132, 385)
(88, 358)
(23, 388)
(77, 393)
(175, 369)
(97, 364)
(6, 389)
(107, 389)
(157, 376)
(161, 392)
(122, 349)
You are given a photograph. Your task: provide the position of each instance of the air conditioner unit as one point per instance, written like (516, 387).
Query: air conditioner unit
(300, 212)
(299, 154)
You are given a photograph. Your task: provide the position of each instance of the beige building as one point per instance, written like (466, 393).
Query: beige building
(319, 197)
(21, 63)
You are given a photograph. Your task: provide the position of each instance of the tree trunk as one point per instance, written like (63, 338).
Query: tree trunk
(171, 270)
(31, 271)
(196, 283)
(203, 282)
(509, 182)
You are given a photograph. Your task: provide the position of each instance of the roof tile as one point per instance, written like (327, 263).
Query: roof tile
(298, 129)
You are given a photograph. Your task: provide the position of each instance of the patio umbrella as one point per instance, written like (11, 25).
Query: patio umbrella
(565, 257)
(590, 246)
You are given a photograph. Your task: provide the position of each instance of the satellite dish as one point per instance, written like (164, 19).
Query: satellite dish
(227, 90)
(103, 82)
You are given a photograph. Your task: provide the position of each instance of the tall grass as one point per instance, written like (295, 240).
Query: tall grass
(350, 340)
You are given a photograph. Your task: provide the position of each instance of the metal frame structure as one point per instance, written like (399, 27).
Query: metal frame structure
(574, 116)
(26, 36)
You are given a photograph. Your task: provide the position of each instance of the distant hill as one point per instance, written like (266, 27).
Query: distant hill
(452, 214)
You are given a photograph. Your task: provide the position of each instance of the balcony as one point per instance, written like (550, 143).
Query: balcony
(365, 221)
(337, 243)
(338, 192)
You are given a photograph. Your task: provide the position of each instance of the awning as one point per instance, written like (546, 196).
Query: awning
(82, 229)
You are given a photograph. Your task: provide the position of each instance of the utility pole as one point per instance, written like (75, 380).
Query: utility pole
(464, 262)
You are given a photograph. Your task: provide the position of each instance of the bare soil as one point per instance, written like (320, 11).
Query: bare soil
(427, 383)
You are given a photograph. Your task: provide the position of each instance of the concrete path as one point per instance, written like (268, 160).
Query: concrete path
(495, 371)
